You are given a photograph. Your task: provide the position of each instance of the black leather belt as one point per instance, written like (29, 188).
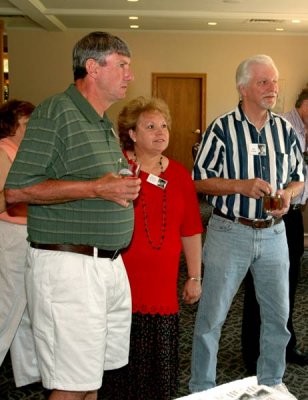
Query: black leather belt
(295, 207)
(80, 249)
(253, 223)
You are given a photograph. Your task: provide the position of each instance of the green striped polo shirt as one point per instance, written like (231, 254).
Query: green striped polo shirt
(66, 139)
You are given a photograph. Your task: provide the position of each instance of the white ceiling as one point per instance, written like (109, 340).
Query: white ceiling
(260, 16)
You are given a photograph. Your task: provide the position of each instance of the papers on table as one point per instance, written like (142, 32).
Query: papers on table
(244, 389)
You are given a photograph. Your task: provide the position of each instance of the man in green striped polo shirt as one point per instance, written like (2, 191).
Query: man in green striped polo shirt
(80, 217)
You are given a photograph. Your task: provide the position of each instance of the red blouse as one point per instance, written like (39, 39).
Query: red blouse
(153, 273)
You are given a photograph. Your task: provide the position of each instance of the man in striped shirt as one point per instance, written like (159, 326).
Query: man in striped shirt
(80, 217)
(294, 223)
(246, 154)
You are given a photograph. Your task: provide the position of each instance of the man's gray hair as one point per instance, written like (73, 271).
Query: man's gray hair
(97, 45)
(243, 72)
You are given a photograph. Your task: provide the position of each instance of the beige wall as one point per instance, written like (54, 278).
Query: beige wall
(40, 62)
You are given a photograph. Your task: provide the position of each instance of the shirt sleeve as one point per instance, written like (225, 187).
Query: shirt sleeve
(209, 159)
(298, 170)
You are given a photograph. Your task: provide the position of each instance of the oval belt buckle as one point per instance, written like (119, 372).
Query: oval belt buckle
(257, 224)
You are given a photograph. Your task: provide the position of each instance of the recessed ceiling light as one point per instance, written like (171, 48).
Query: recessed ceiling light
(296, 21)
(134, 26)
(264, 21)
(133, 17)
(279, 29)
(212, 23)
(133, 0)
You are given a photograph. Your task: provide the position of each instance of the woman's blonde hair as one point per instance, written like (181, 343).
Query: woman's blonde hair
(130, 114)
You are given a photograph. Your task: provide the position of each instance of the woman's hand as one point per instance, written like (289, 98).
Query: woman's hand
(191, 291)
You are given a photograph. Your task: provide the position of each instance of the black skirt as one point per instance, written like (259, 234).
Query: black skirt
(152, 372)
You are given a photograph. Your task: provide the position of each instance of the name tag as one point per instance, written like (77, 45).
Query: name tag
(257, 149)
(157, 181)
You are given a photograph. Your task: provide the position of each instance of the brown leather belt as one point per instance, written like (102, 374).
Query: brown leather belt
(80, 249)
(253, 223)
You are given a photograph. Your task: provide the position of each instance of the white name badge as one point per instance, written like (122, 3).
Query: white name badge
(253, 149)
(157, 181)
(256, 149)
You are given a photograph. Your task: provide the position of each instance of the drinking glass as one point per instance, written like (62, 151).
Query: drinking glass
(131, 168)
(272, 202)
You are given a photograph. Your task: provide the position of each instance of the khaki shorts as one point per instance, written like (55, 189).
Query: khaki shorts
(80, 308)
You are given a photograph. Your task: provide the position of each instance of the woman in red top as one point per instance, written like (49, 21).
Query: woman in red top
(167, 221)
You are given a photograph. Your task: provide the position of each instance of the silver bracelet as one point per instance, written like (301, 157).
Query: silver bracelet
(194, 278)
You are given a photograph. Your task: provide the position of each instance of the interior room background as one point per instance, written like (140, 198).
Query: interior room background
(40, 62)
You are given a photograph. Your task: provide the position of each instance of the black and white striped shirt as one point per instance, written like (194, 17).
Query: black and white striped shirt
(232, 148)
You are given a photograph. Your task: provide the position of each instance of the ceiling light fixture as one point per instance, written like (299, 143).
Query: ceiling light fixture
(279, 29)
(212, 23)
(134, 26)
(133, 17)
(296, 21)
(133, 1)
(264, 21)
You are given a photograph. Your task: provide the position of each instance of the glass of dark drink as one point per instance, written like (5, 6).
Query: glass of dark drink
(272, 202)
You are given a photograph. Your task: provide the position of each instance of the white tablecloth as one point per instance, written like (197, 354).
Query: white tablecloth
(243, 389)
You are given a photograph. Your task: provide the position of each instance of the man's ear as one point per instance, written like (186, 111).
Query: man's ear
(242, 91)
(92, 67)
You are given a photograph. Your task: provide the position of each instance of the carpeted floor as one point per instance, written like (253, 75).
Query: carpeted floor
(230, 364)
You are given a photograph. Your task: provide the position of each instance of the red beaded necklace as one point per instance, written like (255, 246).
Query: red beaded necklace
(155, 246)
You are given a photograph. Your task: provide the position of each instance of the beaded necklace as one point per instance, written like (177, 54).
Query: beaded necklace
(155, 246)
(160, 162)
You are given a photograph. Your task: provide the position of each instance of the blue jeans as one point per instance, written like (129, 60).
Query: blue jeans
(230, 249)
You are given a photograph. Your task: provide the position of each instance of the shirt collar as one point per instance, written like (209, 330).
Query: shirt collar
(86, 108)
(240, 115)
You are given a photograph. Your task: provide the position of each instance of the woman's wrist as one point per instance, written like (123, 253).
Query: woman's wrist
(194, 278)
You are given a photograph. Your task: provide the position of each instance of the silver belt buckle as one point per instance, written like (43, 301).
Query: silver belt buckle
(256, 223)
(115, 254)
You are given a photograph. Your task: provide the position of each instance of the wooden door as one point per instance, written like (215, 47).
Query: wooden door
(185, 95)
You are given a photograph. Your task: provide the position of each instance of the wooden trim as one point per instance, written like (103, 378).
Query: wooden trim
(1, 61)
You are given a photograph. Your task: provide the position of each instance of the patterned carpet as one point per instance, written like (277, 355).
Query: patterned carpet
(230, 364)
